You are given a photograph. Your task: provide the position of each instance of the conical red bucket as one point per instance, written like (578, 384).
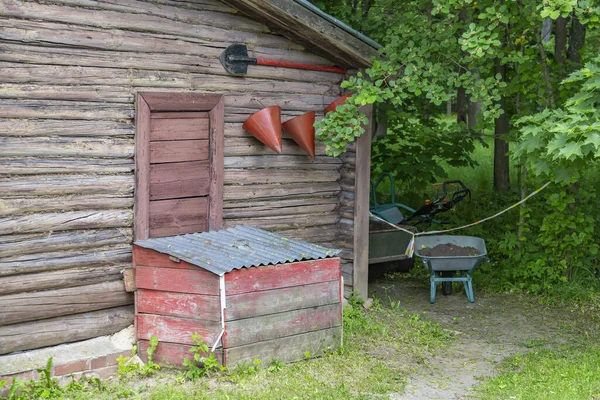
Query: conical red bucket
(265, 125)
(336, 103)
(302, 130)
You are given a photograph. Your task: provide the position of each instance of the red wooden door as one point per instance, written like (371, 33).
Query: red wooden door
(178, 167)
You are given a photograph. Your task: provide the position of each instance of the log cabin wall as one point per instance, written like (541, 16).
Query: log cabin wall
(70, 70)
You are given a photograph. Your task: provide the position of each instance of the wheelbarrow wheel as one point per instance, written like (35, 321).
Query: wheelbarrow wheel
(447, 286)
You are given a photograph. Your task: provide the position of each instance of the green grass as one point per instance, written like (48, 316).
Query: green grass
(382, 346)
(571, 373)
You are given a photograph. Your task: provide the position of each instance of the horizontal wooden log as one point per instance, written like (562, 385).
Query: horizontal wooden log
(348, 173)
(16, 206)
(70, 277)
(255, 304)
(234, 192)
(192, 27)
(277, 202)
(72, 328)
(185, 305)
(243, 176)
(42, 262)
(55, 165)
(285, 222)
(284, 324)
(314, 234)
(11, 245)
(174, 13)
(58, 35)
(279, 211)
(195, 281)
(287, 349)
(61, 127)
(60, 74)
(282, 275)
(175, 330)
(67, 147)
(33, 306)
(249, 146)
(71, 220)
(282, 161)
(205, 63)
(66, 184)
(172, 354)
(11, 108)
(202, 5)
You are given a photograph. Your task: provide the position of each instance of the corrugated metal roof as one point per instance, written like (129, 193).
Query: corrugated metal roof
(242, 246)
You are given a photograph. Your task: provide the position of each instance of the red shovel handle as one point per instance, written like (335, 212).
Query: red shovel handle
(312, 67)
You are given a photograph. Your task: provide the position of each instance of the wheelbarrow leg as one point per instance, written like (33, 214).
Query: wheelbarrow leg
(432, 289)
(469, 289)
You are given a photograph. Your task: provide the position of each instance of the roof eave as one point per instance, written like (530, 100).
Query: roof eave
(302, 25)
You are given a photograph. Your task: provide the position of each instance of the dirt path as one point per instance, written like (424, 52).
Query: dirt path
(487, 331)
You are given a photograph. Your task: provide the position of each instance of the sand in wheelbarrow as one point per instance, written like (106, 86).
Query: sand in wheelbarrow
(449, 250)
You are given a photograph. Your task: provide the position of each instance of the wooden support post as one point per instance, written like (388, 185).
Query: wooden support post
(361, 207)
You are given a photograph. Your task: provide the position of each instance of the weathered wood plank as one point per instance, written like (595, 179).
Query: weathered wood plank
(178, 216)
(178, 151)
(32, 306)
(284, 324)
(287, 349)
(234, 192)
(175, 330)
(285, 222)
(16, 206)
(12, 245)
(67, 147)
(71, 220)
(65, 75)
(185, 305)
(277, 202)
(172, 354)
(254, 304)
(313, 234)
(51, 109)
(179, 129)
(198, 281)
(217, 149)
(282, 275)
(151, 258)
(42, 262)
(237, 176)
(249, 146)
(361, 208)
(61, 127)
(177, 180)
(174, 13)
(59, 165)
(283, 161)
(205, 63)
(66, 184)
(147, 23)
(70, 277)
(161, 102)
(278, 210)
(33, 335)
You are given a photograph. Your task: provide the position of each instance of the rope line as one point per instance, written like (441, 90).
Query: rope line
(411, 245)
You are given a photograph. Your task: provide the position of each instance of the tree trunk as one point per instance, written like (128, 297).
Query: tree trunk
(501, 128)
(560, 41)
(576, 42)
(461, 95)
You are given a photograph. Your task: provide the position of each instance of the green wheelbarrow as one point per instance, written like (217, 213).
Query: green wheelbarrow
(463, 265)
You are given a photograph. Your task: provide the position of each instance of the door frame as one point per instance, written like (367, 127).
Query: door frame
(153, 102)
